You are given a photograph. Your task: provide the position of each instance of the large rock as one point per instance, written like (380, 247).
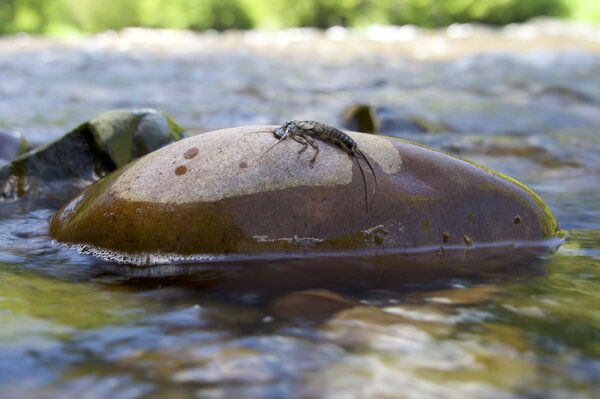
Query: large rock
(88, 152)
(219, 193)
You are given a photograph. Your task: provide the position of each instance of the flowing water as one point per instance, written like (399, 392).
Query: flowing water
(524, 100)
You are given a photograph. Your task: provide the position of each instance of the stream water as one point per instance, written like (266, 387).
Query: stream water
(524, 100)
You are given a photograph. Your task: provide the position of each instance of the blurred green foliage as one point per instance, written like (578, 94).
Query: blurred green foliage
(59, 16)
(585, 10)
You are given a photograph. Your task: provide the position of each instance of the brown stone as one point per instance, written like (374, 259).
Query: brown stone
(220, 193)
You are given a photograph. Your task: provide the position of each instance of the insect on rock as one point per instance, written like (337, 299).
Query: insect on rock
(307, 132)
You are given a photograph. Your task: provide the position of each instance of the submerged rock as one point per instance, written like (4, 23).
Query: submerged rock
(311, 305)
(220, 193)
(87, 153)
(360, 118)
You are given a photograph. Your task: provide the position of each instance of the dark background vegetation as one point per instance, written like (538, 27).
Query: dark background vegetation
(71, 16)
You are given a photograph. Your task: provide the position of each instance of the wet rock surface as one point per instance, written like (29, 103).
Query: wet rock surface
(90, 151)
(221, 193)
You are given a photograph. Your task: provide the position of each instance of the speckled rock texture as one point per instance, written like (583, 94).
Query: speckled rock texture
(220, 193)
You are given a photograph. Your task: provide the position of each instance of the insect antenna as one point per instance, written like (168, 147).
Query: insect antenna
(359, 152)
(257, 132)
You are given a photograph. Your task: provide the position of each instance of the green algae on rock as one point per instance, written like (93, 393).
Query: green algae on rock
(91, 150)
(220, 194)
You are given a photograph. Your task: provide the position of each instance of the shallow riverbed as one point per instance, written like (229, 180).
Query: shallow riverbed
(524, 100)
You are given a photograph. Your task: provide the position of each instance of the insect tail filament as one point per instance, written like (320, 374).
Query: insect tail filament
(362, 155)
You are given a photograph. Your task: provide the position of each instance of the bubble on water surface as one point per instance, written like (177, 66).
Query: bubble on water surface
(142, 258)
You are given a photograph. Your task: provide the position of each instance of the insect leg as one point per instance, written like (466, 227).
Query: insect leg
(288, 131)
(301, 140)
(269, 149)
(314, 145)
